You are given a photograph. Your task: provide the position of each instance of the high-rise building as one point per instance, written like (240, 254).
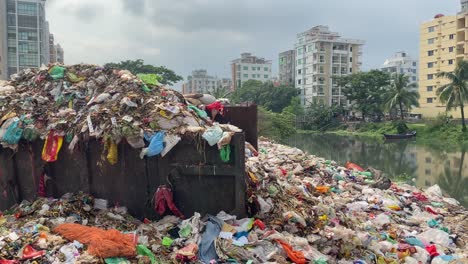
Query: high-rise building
(25, 35)
(55, 51)
(443, 41)
(249, 67)
(59, 54)
(287, 67)
(200, 82)
(321, 55)
(402, 63)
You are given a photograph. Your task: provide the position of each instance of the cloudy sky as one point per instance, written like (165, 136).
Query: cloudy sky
(189, 34)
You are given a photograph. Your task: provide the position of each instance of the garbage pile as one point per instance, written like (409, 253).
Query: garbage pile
(78, 102)
(303, 209)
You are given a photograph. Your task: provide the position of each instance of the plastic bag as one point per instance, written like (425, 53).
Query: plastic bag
(170, 141)
(13, 133)
(57, 72)
(436, 236)
(225, 139)
(144, 251)
(197, 110)
(155, 147)
(152, 79)
(52, 146)
(225, 153)
(212, 135)
(112, 154)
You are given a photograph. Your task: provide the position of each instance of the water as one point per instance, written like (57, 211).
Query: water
(401, 160)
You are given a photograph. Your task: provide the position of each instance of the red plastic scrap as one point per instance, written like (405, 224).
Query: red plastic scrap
(430, 210)
(260, 224)
(30, 253)
(164, 197)
(419, 196)
(432, 250)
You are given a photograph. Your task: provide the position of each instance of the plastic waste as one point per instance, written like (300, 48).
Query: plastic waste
(52, 146)
(436, 236)
(57, 72)
(212, 135)
(225, 153)
(144, 251)
(156, 145)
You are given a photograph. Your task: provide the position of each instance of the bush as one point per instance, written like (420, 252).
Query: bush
(276, 126)
(400, 126)
(441, 121)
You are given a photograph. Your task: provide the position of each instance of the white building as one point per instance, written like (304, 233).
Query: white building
(402, 63)
(250, 67)
(200, 82)
(321, 55)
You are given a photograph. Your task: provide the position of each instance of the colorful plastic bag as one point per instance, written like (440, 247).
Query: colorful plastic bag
(152, 79)
(156, 145)
(52, 146)
(57, 72)
(112, 153)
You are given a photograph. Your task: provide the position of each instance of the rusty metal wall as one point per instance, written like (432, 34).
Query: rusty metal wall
(200, 180)
(244, 117)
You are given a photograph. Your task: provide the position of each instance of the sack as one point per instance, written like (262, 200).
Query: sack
(52, 147)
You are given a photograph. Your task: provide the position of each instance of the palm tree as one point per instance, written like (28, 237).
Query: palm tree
(455, 93)
(400, 94)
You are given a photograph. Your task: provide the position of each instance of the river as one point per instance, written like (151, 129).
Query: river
(402, 160)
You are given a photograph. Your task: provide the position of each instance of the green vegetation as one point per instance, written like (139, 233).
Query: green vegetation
(455, 93)
(401, 95)
(276, 126)
(168, 77)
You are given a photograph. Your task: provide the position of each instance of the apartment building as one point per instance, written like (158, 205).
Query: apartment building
(199, 82)
(25, 35)
(402, 63)
(321, 55)
(287, 67)
(225, 84)
(443, 41)
(3, 41)
(249, 67)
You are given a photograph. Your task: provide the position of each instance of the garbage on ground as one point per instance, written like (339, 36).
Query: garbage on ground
(302, 209)
(68, 104)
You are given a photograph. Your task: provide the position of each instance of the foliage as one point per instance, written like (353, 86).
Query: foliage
(294, 107)
(439, 122)
(322, 117)
(219, 92)
(167, 76)
(265, 94)
(455, 93)
(400, 126)
(366, 91)
(400, 94)
(276, 126)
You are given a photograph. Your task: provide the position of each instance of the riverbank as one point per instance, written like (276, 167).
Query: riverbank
(438, 136)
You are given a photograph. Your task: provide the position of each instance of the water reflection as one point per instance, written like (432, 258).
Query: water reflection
(400, 159)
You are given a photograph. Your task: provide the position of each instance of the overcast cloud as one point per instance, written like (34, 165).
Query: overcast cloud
(190, 34)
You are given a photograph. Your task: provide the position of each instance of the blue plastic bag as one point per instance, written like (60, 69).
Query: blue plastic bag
(156, 145)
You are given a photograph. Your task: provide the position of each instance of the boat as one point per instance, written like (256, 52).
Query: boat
(400, 136)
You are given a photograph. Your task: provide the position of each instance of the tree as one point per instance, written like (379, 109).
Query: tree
(400, 94)
(219, 92)
(365, 90)
(294, 107)
(168, 77)
(265, 94)
(455, 93)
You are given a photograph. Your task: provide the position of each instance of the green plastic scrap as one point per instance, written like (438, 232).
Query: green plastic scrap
(436, 204)
(144, 251)
(116, 261)
(366, 173)
(74, 78)
(185, 231)
(433, 223)
(445, 229)
(249, 261)
(145, 88)
(152, 79)
(57, 72)
(167, 241)
(272, 190)
(320, 261)
(225, 153)
(199, 112)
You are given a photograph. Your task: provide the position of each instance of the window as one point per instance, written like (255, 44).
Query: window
(414, 78)
(299, 81)
(351, 49)
(430, 29)
(253, 75)
(414, 64)
(450, 49)
(245, 75)
(430, 53)
(27, 21)
(245, 68)
(265, 68)
(258, 68)
(430, 65)
(350, 59)
(429, 100)
(322, 58)
(299, 61)
(430, 76)
(428, 160)
(11, 20)
(427, 171)
(299, 51)
(309, 48)
(299, 71)
(265, 76)
(350, 70)
(450, 62)
(281, 60)
(253, 68)
(27, 9)
(430, 88)
(451, 36)
(430, 41)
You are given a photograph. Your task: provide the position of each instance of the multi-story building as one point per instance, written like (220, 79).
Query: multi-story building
(443, 41)
(59, 54)
(200, 82)
(225, 84)
(402, 63)
(55, 51)
(26, 38)
(250, 67)
(287, 67)
(3, 41)
(321, 55)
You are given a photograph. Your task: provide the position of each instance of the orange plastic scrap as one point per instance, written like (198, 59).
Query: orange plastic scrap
(296, 256)
(322, 189)
(101, 243)
(353, 166)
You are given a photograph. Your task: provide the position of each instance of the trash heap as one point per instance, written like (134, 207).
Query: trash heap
(78, 102)
(303, 209)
